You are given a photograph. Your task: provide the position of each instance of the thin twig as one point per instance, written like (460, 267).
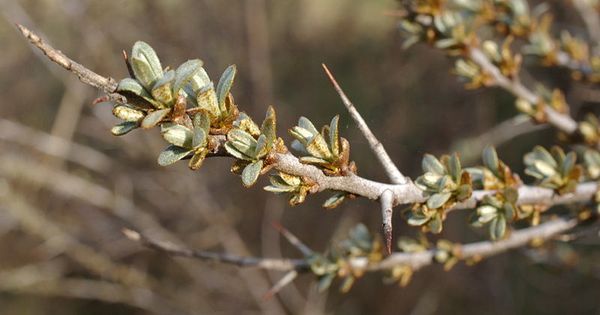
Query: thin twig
(561, 121)
(106, 84)
(293, 239)
(390, 168)
(415, 260)
(483, 249)
(241, 261)
(387, 210)
(285, 280)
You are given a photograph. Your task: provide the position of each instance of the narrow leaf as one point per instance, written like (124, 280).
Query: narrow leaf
(251, 172)
(437, 200)
(172, 154)
(431, 164)
(145, 63)
(185, 72)
(224, 85)
(154, 118)
(123, 128)
(178, 135)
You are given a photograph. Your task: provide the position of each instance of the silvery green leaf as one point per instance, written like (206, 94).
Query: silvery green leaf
(431, 164)
(298, 146)
(207, 99)
(123, 128)
(498, 228)
(197, 159)
(155, 117)
(200, 81)
(568, 163)
(544, 168)
(539, 153)
(202, 120)
(303, 122)
(490, 159)
(325, 282)
(235, 152)
(268, 126)
(493, 201)
(279, 189)
(334, 200)
(185, 72)
(445, 184)
(242, 137)
(145, 64)
(437, 200)
(251, 172)
(301, 134)
(454, 167)
(132, 86)
(509, 211)
(136, 94)
(485, 218)
(199, 139)
(289, 179)
(224, 85)
(261, 147)
(334, 136)
(317, 147)
(558, 154)
(245, 123)
(172, 154)
(145, 52)
(487, 210)
(429, 180)
(446, 43)
(162, 90)
(417, 219)
(128, 113)
(178, 135)
(435, 224)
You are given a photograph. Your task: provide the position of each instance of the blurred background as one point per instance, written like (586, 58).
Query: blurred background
(68, 187)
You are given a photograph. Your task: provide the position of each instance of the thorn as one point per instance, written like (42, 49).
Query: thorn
(128, 64)
(384, 159)
(101, 99)
(285, 280)
(387, 212)
(387, 235)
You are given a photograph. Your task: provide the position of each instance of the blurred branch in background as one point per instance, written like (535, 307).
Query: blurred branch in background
(89, 186)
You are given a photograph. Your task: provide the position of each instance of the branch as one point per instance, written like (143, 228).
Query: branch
(517, 239)
(106, 84)
(389, 195)
(415, 260)
(402, 193)
(392, 171)
(561, 121)
(241, 261)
